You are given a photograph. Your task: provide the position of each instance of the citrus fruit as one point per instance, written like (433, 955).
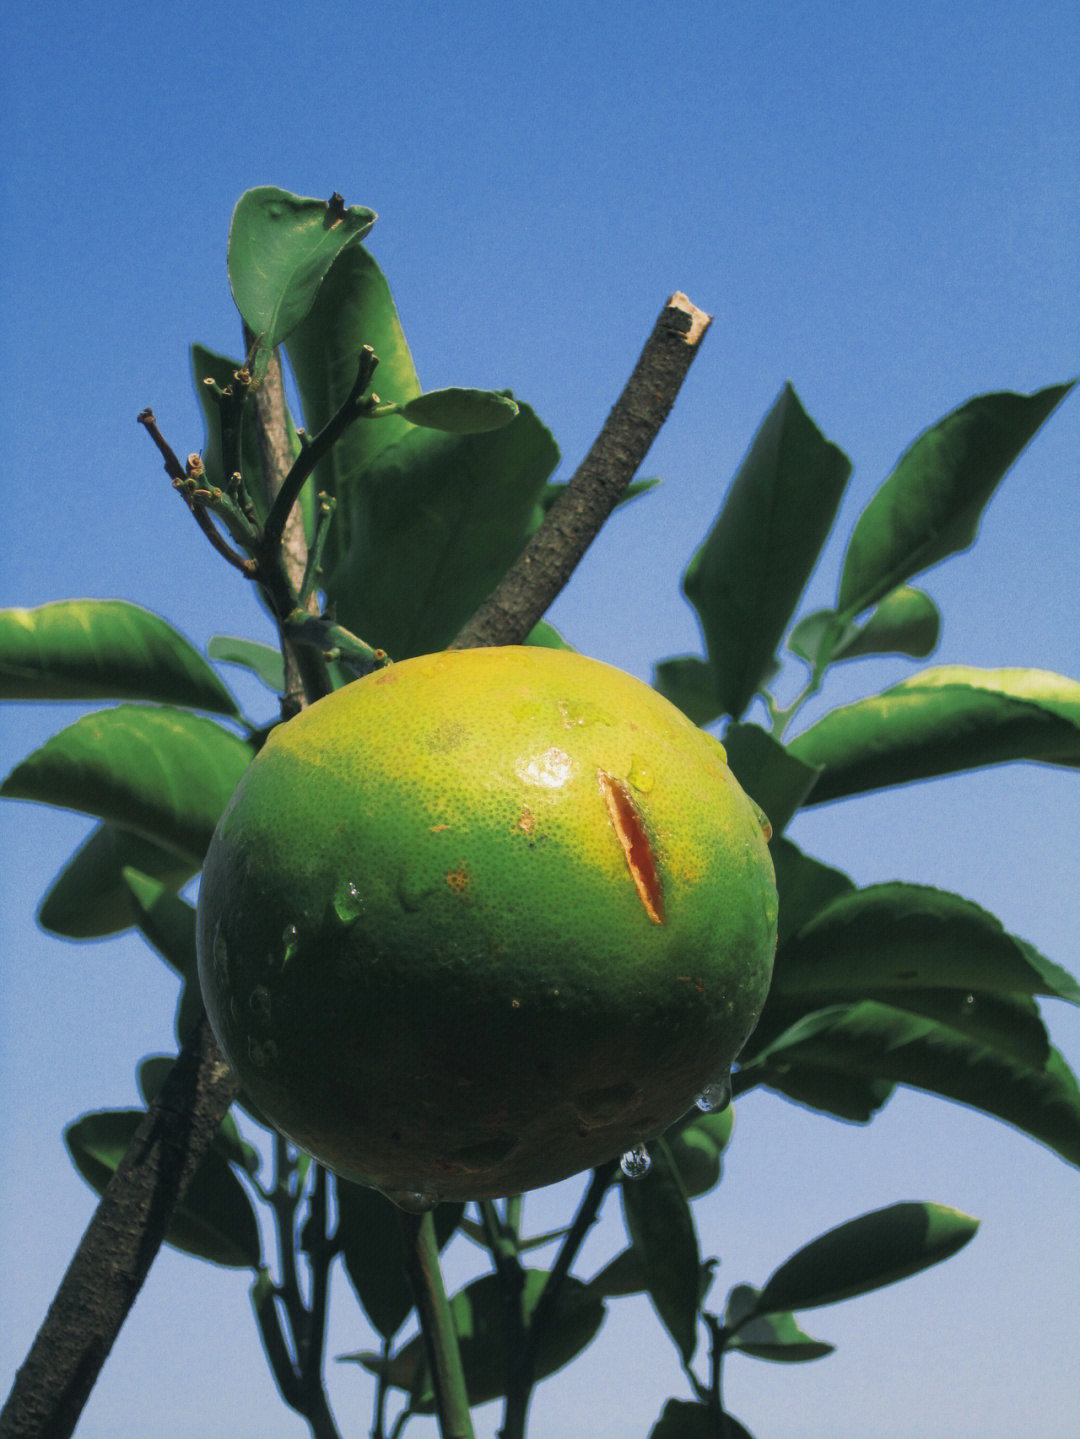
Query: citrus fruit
(483, 919)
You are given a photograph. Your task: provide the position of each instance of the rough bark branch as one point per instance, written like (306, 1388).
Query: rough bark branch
(549, 559)
(120, 1244)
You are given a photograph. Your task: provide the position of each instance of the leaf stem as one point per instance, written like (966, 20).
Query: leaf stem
(436, 1325)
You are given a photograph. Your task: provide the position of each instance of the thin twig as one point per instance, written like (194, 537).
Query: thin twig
(543, 1316)
(548, 560)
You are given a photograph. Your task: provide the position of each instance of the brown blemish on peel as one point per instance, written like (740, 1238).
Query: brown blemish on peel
(458, 879)
(627, 822)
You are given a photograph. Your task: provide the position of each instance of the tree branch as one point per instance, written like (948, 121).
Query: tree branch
(120, 1244)
(549, 559)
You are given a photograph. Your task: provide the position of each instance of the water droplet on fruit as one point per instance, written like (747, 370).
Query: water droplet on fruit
(969, 1003)
(772, 910)
(715, 1097)
(640, 776)
(415, 1201)
(261, 1053)
(763, 820)
(635, 1162)
(259, 1004)
(348, 904)
(290, 943)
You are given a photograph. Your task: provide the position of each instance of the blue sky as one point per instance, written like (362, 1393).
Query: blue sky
(880, 204)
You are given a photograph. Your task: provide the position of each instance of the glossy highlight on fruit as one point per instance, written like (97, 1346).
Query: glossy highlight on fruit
(484, 919)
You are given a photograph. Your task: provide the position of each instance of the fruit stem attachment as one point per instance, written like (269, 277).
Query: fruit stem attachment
(436, 1325)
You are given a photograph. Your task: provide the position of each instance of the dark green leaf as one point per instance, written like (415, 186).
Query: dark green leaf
(778, 1337)
(832, 1090)
(661, 1229)
(768, 772)
(866, 1253)
(89, 899)
(930, 506)
(746, 578)
(690, 683)
(369, 1237)
(264, 661)
(461, 412)
(687, 1419)
(941, 721)
(877, 1041)
(103, 649)
(906, 622)
(479, 1314)
(804, 884)
(215, 1221)
(165, 919)
(908, 936)
(696, 1143)
(625, 1274)
(444, 516)
(165, 773)
(280, 248)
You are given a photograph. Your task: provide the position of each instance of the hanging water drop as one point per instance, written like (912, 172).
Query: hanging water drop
(715, 1097)
(290, 943)
(635, 1162)
(348, 904)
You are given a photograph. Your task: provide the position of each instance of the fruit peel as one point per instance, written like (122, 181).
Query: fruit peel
(484, 919)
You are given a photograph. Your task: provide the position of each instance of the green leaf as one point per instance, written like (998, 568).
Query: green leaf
(896, 937)
(163, 772)
(369, 1237)
(777, 1336)
(906, 622)
(103, 649)
(687, 1419)
(876, 1041)
(280, 249)
(768, 772)
(444, 517)
(696, 1144)
(689, 683)
(353, 308)
(263, 661)
(479, 1314)
(632, 491)
(461, 412)
(942, 721)
(215, 1221)
(866, 1253)
(661, 1229)
(546, 636)
(747, 576)
(805, 885)
(930, 506)
(88, 899)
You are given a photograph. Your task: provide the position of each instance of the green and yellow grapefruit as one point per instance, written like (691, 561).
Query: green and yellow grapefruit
(484, 919)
